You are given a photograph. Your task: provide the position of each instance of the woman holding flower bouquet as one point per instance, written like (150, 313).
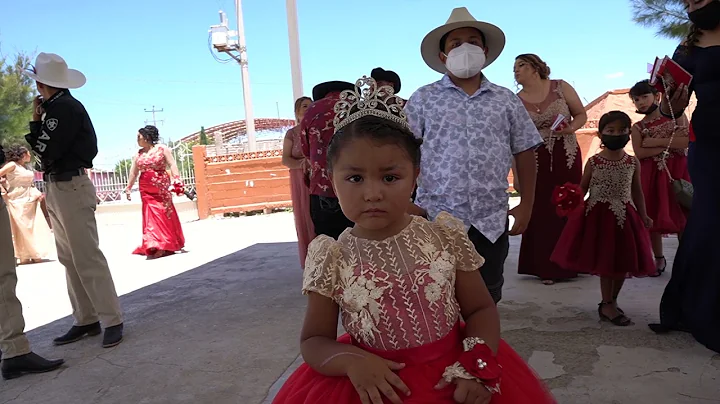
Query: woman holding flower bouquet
(162, 232)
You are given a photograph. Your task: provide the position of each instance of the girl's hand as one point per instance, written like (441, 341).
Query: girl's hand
(468, 391)
(374, 377)
(648, 222)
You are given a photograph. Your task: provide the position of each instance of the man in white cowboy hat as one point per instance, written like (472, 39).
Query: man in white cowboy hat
(472, 129)
(17, 357)
(62, 134)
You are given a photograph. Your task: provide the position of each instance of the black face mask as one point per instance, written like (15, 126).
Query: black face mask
(706, 18)
(615, 142)
(649, 110)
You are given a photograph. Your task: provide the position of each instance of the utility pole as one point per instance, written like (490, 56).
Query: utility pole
(153, 111)
(236, 49)
(294, 41)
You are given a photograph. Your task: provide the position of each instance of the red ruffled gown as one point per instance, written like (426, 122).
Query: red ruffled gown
(662, 206)
(607, 237)
(161, 225)
(558, 162)
(397, 301)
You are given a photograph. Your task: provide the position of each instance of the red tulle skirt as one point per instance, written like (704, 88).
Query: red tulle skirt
(662, 206)
(596, 244)
(161, 225)
(424, 367)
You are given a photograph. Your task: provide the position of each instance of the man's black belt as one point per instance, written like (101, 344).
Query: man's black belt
(63, 176)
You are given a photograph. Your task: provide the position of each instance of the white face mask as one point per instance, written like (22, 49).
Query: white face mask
(465, 61)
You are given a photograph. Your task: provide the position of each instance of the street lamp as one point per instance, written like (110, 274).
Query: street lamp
(222, 41)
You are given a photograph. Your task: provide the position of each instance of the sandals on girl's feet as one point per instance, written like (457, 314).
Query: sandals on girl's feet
(548, 282)
(620, 320)
(660, 265)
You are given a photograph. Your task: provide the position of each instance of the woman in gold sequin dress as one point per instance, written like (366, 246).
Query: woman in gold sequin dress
(558, 161)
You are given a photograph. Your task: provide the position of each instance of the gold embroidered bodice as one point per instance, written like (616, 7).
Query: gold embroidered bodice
(661, 128)
(611, 183)
(543, 119)
(397, 293)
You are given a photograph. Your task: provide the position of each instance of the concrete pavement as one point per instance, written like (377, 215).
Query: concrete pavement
(220, 324)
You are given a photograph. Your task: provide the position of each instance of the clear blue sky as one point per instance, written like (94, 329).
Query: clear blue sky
(140, 53)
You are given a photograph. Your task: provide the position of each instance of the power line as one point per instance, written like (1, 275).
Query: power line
(153, 111)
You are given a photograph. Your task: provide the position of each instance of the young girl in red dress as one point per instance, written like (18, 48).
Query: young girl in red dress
(608, 236)
(651, 138)
(401, 284)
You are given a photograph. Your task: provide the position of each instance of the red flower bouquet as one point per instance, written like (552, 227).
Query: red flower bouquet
(177, 188)
(567, 198)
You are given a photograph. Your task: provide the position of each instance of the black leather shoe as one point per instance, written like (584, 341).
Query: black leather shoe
(28, 363)
(113, 336)
(78, 332)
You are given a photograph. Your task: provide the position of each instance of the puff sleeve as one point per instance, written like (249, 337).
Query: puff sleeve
(321, 266)
(467, 258)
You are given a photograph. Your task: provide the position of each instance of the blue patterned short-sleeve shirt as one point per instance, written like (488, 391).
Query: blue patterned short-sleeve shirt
(468, 146)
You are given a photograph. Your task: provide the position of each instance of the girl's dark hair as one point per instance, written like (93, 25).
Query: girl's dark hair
(298, 103)
(150, 134)
(538, 64)
(15, 153)
(614, 116)
(642, 88)
(379, 130)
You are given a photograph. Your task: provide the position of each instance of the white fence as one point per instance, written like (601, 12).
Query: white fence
(110, 185)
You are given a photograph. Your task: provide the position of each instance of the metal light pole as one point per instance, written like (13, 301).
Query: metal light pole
(247, 96)
(294, 40)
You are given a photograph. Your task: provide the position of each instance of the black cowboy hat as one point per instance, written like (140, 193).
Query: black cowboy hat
(380, 74)
(321, 90)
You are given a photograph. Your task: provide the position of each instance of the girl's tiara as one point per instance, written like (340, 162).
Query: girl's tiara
(368, 99)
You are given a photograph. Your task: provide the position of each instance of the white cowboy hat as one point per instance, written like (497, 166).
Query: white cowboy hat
(461, 18)
(50, 69)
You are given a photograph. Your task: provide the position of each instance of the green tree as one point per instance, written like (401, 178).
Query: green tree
(668, 17)
(203, 136)
(122, 167)
(16, 96)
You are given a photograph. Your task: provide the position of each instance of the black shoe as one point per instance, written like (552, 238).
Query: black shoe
(28, 363)
(113, 336)
(78, 332)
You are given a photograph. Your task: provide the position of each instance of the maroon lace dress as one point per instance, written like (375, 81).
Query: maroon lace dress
(161, 225)
(558, 162)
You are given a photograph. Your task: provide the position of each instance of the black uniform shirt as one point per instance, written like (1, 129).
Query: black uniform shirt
(65, 140)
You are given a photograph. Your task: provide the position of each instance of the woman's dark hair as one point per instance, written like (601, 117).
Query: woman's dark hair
(693, 36)
(298, 104)
(15, 153)
(614, 116)
(537, 64)
(380, 130)
(150, 134)
(642, 88)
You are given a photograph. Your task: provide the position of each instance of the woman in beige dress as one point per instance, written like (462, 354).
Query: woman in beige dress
(31, 234)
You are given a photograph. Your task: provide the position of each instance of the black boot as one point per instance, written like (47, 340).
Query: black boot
(28, 363)
(113, 336)
(78, 332)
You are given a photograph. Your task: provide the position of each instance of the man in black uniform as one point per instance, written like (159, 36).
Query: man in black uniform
(17, 357)
(66, 143)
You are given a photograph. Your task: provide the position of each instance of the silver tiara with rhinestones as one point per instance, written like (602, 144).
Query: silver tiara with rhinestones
(367, 99)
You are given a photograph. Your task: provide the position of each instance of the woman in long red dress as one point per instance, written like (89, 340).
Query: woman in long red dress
(293, 159)
(162, 232)
(558, 162)
(650, 138)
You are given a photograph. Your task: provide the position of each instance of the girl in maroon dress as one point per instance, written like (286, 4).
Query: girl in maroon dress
(558, 162)
(162, 232)
(293, 159)
(608, 236)
(651, 138)
(400, 283)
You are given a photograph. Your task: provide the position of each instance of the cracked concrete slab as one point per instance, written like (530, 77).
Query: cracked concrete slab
(217, 325)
